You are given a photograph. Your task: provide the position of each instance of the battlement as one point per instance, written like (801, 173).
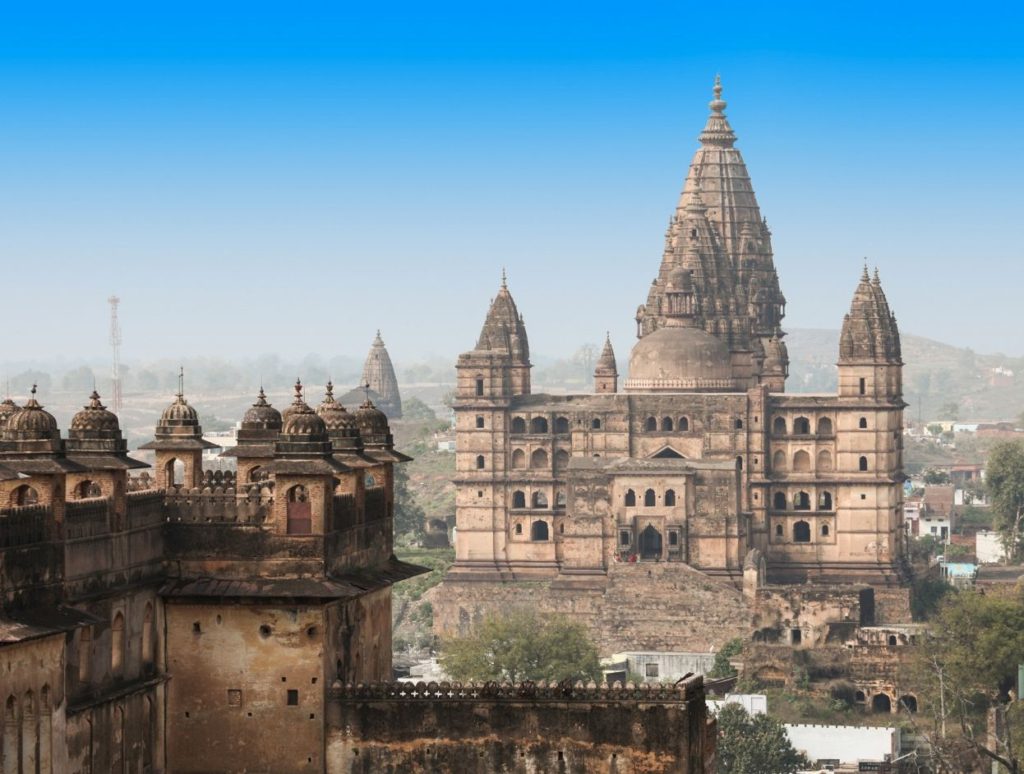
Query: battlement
(682, 692)
(219, 504)
(86, 518)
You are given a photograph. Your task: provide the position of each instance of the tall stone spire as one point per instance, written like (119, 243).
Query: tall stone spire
(718, 234)
(870, 333)
(499, 365)
(504, 330)
(379, 376)
(606, 372)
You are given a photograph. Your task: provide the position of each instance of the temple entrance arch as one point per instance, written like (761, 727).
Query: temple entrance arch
(650, 543)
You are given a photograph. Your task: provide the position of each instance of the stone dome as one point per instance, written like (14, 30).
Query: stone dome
(262, 416)
(31, 423)
(179, 413)
(679, 359)
(95, 417)
(301, 420)
(373, 425)
(335, 416)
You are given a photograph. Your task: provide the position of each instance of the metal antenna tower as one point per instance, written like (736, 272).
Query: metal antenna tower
(115, 347)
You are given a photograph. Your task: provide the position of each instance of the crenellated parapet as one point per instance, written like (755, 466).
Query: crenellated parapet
(219, 504)
(681, 692)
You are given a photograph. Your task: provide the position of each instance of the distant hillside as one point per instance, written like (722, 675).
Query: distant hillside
(983, 387)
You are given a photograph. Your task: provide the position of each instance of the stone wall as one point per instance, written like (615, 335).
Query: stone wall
(526, 728)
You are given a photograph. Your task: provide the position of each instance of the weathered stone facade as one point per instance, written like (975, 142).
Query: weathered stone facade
(703, 461)
(222, 622)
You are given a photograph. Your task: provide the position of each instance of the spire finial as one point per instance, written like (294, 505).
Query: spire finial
(181, 381)
(33, 389)
(504, 279)
(876, 279)
(298, 390)
(717, 104)
(865, 277)
(330, 389)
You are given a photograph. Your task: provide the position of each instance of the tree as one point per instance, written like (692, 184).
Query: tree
(409, 514)
(950, 411)
(522, 645)
(936, 477)
(964, 671)
(722, 667)
(414, 408)
(754, 744)
(1004, 476)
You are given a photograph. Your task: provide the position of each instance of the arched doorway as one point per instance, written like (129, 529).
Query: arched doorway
(650, 543)
(881, 703)
(300, 511)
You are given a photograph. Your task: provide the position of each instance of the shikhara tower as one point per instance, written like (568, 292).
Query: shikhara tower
(702, 459)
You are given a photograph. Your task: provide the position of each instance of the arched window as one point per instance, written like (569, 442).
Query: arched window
(779, 461)
(649, 498)
(540, 500)
(778, 530)
(479, 423)
(539, 530)
(738, 424)
(801, 426)
(518, 499)
(561, 459)
(174, 472)
(779, 501)
(670, 497)
(87, 489)
(801, 532)
(802, 502)
(824, 426)
(518, 425)
(480, 462)
(479, 386)
(779, 426)
(299, 511)
(739, 463)
(255, 475)
(147, 634)
(666, 424)
(539, 459)
(863, 464)
(561, 425)
(24, 495)
(117, 644)
(595, 424)
(862, 423)
(824, 461)
(650, 424)
(801, 462)
(684, 425)
(825, 501)
(881, 702)
(630, 498)
(519, 529)
(908, 702)
(824, 530)
(538, 425)
(518, 459)
(559, 499)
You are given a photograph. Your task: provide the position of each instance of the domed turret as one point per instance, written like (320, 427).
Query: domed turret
(335, 416)
(680, 360)
(373, 426)
(301, 421)
(31, 423)
(179, 438)
(94, 419)
(261, 415)
(303, 446)
(95, 440)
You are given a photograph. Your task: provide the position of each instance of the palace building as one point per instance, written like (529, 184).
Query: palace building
(697, 458)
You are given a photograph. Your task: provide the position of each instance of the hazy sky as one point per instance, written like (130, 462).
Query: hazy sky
(290, 177)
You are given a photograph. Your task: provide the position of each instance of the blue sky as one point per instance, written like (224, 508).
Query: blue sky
(258, 178)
